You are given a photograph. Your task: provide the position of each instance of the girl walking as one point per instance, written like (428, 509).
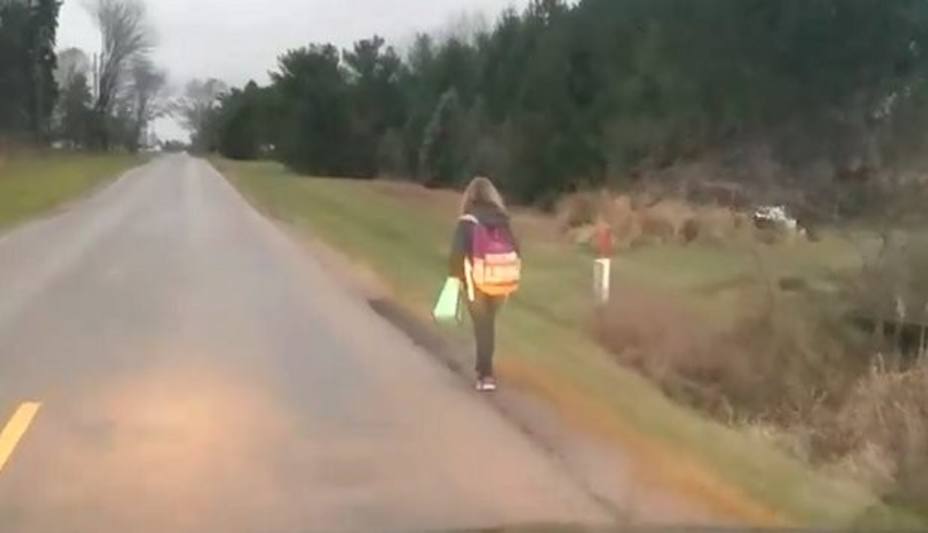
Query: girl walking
(485, 257)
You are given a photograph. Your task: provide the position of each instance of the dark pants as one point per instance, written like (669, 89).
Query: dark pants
(483, 311)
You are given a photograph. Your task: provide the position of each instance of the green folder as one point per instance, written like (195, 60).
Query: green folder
(448, 308)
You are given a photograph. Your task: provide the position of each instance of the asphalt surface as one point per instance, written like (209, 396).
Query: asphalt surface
(199, 372)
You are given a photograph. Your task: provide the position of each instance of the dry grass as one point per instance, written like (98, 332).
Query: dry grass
(642, 221)
(669, 344)
(885, 425)
(720, 225)
(663, 222)
(580, 209)
(777, 363)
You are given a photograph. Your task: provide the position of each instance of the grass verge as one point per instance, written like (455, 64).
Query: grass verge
(402, 233)
(34, 183)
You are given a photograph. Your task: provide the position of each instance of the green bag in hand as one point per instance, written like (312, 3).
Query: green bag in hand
(448, 308)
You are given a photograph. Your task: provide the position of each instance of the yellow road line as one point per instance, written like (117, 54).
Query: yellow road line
(15, 429)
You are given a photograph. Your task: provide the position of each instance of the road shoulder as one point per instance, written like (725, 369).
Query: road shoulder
(608, 476)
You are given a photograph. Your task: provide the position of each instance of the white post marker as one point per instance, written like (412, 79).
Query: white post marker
(602, 276)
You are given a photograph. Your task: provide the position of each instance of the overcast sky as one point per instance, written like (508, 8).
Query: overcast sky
(238, 40)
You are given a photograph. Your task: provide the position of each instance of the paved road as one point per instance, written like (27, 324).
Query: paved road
(198, 372)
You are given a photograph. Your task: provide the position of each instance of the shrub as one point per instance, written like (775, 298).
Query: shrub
(691, 230)
(579, 209)
(663, 222)
(644, 219)
(624, 220)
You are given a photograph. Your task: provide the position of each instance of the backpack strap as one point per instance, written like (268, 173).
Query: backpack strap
(469, 279)
(468, 267)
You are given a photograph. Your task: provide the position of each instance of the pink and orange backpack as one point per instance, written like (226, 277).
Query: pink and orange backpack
(494, 266)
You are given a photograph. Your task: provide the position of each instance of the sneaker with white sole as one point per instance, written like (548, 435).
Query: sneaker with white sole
(487, 384)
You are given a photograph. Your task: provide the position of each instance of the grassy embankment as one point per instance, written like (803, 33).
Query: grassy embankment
(402, 233)
(35, 182)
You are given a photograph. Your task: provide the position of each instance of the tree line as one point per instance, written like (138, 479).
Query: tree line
(101, 102)
(561, 96)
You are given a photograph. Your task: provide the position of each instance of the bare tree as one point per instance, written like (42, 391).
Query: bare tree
(126, 36)
(200, 98)
(72, 62)
(72, 115)
(148, 98)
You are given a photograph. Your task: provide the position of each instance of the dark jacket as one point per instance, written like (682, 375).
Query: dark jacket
(490, 216)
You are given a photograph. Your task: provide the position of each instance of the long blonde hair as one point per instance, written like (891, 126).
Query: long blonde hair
(482, 191)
